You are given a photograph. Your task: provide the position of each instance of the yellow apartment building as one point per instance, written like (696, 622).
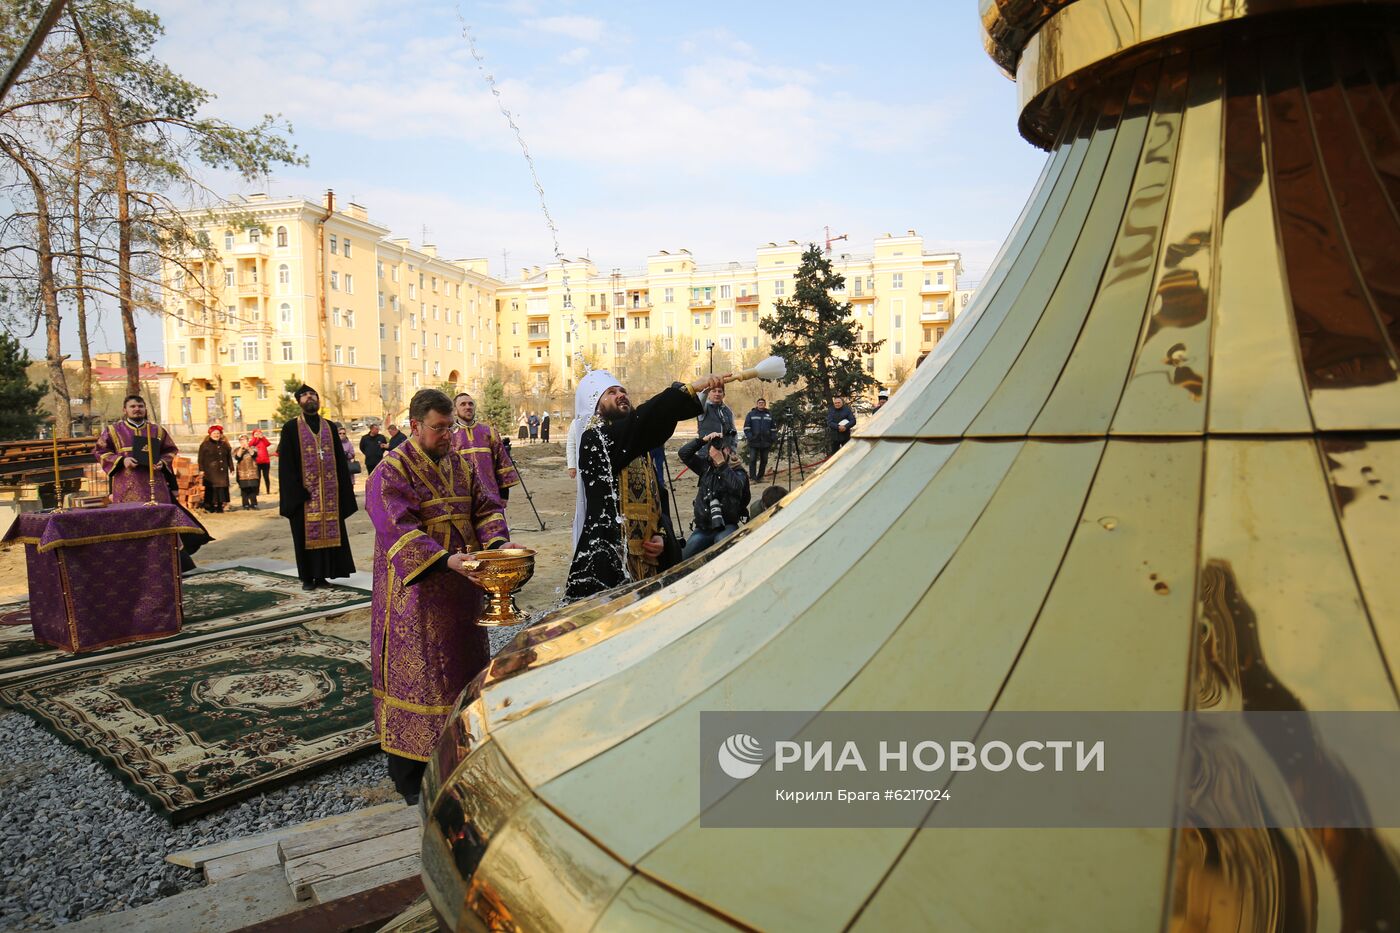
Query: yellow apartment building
(295, 289)
(901, 293)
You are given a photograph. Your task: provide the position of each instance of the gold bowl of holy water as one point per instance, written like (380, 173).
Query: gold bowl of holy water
(501, 573)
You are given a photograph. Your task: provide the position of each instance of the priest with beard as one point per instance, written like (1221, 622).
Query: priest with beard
(619, 531)
(479, 443)
(316, 494)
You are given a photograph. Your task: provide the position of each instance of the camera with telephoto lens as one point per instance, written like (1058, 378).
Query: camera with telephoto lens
(716, 514)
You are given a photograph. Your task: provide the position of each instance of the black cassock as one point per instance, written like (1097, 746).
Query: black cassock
(603, 453)
(321, 563)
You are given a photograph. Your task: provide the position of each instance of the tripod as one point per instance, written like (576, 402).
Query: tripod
(526, 489)
(787, 449)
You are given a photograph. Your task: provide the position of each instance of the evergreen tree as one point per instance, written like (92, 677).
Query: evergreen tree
(20, 415)
(287, 407)
(493, 408)
(819, 339)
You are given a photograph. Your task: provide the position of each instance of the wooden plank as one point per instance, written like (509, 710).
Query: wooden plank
(303, 872)
(366, 879)
(248, 899)
(370, 824)
(240, 863)
(195, 858)
(363, 911)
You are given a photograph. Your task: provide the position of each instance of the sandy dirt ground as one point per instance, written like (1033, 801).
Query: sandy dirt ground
(264, 533)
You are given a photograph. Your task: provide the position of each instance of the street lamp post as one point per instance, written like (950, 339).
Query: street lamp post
(710, 345)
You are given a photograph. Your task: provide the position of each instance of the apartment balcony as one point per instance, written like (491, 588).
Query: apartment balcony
(539, 363)
(538, 312)
(702, 303)
(746, 301)
(247, 289)
(936, 317)
(597, 312)
(933, 288)
(537, 336)
(194, 371)
(861, 296)
(250, 250)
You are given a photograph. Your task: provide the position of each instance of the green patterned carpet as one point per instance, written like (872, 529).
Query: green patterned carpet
(197, 728)
(215, 600)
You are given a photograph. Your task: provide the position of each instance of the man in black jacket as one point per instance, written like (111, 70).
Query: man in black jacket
(717, 417)
(723, 499)
(373, 445)
(840, 421)
(758, 431)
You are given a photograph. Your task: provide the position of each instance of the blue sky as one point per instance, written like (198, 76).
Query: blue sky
(715, 127)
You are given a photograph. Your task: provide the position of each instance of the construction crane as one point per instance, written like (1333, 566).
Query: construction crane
(832, 239)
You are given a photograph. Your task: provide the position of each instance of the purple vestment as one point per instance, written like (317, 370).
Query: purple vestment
(480, 444)
(128, 485)
(322, 515)
(425, 645)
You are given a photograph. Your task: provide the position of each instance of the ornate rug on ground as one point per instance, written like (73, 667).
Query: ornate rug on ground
(214, 600)
(197, 728)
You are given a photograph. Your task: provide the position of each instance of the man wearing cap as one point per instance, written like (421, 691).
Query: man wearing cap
(316, 494)
(619, 534)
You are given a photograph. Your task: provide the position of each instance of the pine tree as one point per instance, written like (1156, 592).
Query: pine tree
(493, 408)
(819, 339)
(287, 407)
(20, 415)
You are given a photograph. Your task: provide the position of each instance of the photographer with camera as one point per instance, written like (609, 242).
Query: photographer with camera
(723, 499)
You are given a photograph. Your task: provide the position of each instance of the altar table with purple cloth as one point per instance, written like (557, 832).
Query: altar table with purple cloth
(105, 576)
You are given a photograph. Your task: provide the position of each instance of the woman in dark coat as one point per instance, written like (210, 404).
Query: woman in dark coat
(216, 463)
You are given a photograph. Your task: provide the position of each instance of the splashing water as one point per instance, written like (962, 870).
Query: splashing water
(534, 177)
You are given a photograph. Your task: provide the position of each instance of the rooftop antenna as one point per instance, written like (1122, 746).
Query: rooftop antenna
(505, 263)
(832, 239)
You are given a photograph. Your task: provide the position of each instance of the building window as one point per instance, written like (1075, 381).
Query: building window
(333, 244)
(349, 318)
(724, 291)
(335, 317)
(349, 281)
(435, 312)
(394, 273)
(669, 295)
(181, 351)
(254, 235)
(709, 316)
(379, 268)
(381, 301)
(413, 350)
(938, 306)
(412, 321)
(412, 290)
(250, 349)
(898, 321)
(347, 247)
(415, 380)
(381, 330)
(351, 387)
(335, 280)
(285, 314)
(228, 239)
(898, 348)
(262, 390)
(938, 333)
(743, 343)
(350, 355)
(396, 335)
(286, 351)
(726, 317)
(697, 344)
(778, 286)
(284, 275)
(228, 276)
(281, 241)
(726, 343)
(621, 323)
(898, 280)
(339, 355)
(940, 278)
(928, 334)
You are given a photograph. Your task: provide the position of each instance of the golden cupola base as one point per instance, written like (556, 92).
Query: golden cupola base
(1155, 467)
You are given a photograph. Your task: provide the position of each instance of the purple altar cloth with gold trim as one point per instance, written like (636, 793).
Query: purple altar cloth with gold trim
(101, 577)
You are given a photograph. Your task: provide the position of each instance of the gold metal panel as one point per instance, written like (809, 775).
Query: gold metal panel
(1349, 369)
(1364, 475)
(978, 625)
(1031, 290)
(1256, 384)
(652, 775)
(1027, 382)
(1379, 134)
(1086, 394)
(932, 393)
(1275, 579)
(635, 630)
(911, 393)
(643, 906)
(1166, 392)
(542, 874)
(742, 610)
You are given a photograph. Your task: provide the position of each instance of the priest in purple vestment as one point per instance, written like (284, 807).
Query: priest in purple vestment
(429, 511)
(122, 450)
(315, 494)
(479, 443)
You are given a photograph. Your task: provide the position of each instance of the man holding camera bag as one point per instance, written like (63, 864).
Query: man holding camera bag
(723, 498)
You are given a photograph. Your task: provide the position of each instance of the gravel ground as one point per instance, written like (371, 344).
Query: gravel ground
(75, 842)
